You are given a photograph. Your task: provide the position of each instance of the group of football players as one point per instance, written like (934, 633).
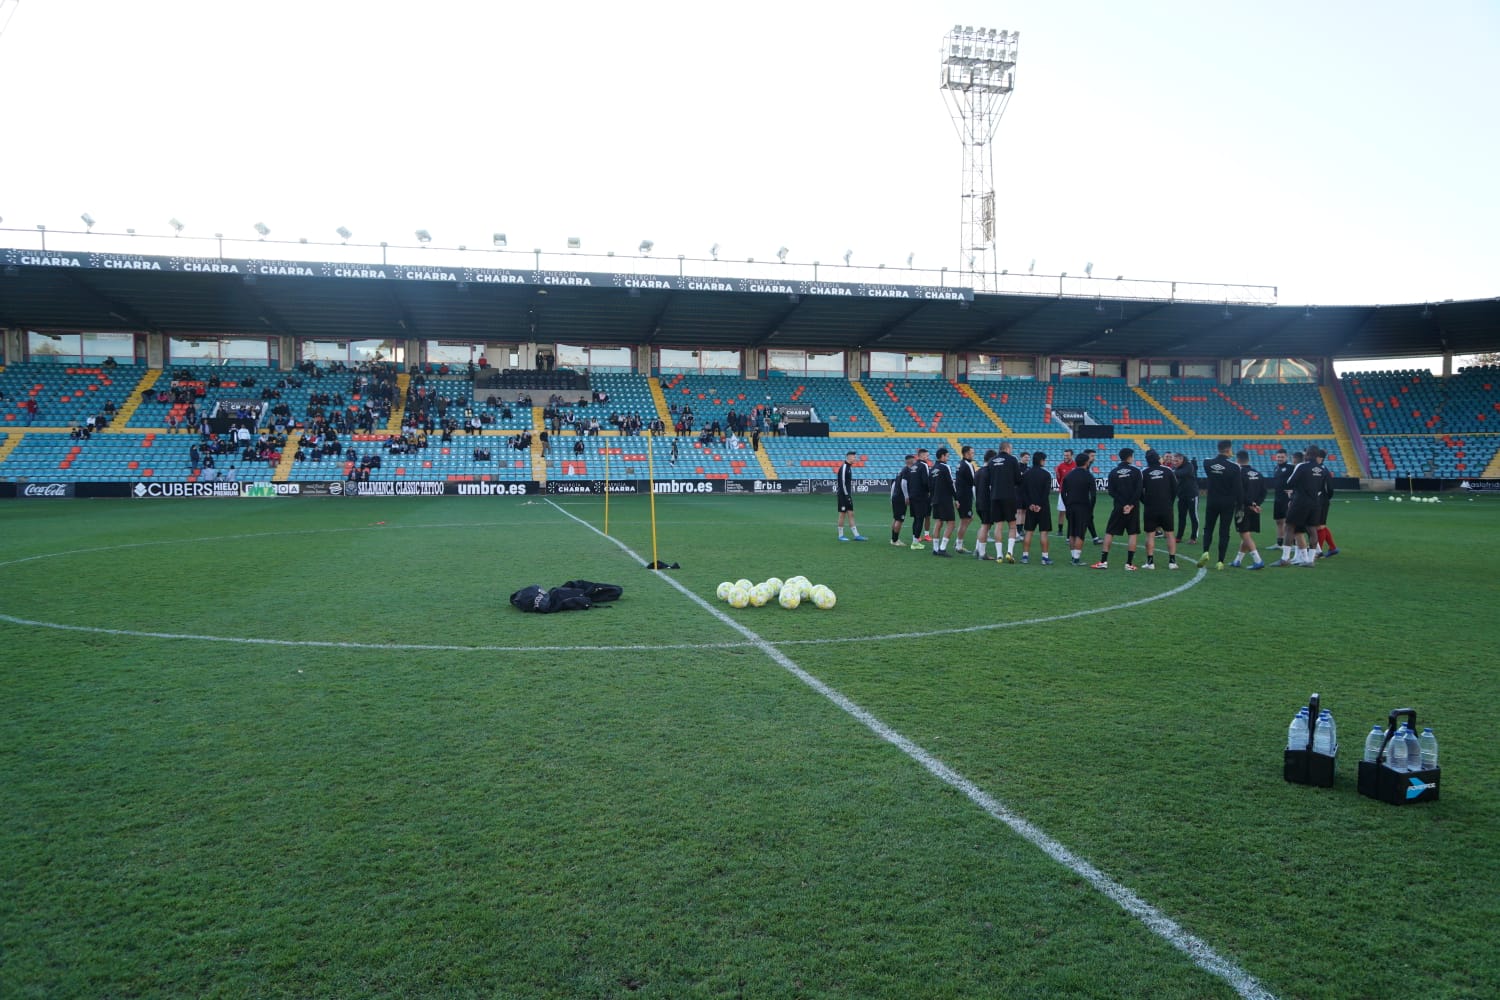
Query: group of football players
(1012, 498)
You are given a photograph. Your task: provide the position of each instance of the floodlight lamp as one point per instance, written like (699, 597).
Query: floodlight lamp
(263, 229)
(909, 258)
(176, 225)
(847, 255)
(714, 251)
(646, 246)
(88, 220)
(1063, 275)
(344, 233)
(1032, 268)
(574, 242)
(302, 239)
(499, 239)
(781, 255)
(423, 236)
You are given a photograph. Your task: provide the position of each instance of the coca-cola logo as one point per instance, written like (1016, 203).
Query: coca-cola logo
(46, 490)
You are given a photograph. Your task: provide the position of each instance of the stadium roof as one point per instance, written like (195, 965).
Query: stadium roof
(82, 292)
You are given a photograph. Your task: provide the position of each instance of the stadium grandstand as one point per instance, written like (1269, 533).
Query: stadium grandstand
(116, 374)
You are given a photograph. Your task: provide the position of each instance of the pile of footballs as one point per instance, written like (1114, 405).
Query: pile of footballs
(1395, 499)
(788, 593)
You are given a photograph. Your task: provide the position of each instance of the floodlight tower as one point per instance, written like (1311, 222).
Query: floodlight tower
(979, 72)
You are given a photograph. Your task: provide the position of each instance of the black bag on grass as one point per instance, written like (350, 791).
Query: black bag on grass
(575, 595)
(597, 592)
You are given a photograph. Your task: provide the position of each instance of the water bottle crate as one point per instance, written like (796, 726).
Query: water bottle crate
(1379, 780)
(1399, 788)
(1305, 766)
(1308, 767)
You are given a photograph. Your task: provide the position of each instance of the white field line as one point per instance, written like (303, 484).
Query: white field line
(1195, 948)
(471, 648)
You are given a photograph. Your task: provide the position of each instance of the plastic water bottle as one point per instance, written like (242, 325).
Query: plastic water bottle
(1413, 750)
(1326, 736)
(1428, 743)
(1296, 733)
(1373, 742)
(1395, 757)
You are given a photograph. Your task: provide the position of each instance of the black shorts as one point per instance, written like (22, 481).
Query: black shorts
(982, 511)
(1078, 522)
(966, 507)
(1158, 520)
(845, 503)
(942, 510)
(1121, 523)
(1249, 520)
(1021, 512)
(1039, 520)
(1278, 508)
(1300, 517)
(1323, 510)
(920, 509)
(898, 509)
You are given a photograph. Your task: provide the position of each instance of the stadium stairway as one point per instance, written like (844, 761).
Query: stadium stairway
(283, 471)
(538, 460)
(1491, 471)
(767, 468)
(1341, 433)
(1162, 409)
(398, 411)
(136, 397)
(864, 395)
(964, 389)
(9, 444)
(660, 399)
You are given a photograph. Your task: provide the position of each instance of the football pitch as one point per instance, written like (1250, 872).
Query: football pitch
(298, 748)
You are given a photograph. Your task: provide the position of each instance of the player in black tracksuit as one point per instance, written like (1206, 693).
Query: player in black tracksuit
(1307, 485)
(919, 496)
(1278, 494)
(1248, 524)
(900, 487)
(965, 475)
(1005, 497)
(982, 505)
(1187, 496)
(1036, 500)
(1226, 495)
(1078, 492)
(943, 514)
(844, 489)
(1158, 496)
(1125, 518)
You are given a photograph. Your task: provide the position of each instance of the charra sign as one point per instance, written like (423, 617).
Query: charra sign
(476, 275)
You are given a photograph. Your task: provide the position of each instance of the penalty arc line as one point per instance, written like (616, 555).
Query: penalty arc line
(1195, 948)
(421, 647)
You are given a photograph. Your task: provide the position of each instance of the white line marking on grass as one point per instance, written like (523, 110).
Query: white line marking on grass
(1164, 927)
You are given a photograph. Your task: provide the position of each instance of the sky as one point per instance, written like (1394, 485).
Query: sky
(1342, 152)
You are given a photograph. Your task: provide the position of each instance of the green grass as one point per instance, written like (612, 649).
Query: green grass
(196, 818)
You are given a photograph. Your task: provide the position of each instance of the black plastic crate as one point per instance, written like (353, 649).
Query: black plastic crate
(1378, 780)
(1307, 766)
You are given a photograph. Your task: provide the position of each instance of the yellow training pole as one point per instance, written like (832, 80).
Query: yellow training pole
(651, 488)
(606, 491)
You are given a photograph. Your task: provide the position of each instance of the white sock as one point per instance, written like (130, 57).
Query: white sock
(1254, 556)
(1010, 545)
(853, 530)
(1076, 553)
(841, 532)
(1237, 557)
(1286, 553)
